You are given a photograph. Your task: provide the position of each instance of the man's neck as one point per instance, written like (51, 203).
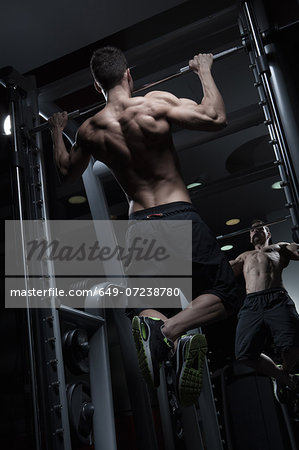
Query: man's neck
(119, 93)
(261, 246)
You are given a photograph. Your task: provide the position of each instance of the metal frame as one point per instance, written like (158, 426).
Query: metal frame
(43, 331)
(262, 74)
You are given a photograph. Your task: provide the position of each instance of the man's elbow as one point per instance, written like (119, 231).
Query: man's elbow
(220, 122)
(217, 119)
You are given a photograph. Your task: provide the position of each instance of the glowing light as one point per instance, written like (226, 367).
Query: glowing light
(193, 185)
(231, 222)
(225, 248)
(77, 200)
(276, 185)
(7, 126)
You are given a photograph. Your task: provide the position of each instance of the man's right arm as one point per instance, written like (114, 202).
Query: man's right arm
(71, 164)
(210, 114)
(290, 250)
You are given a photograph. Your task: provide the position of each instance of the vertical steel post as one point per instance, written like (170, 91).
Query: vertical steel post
(50, 410)
(20, 215)
(273, 120)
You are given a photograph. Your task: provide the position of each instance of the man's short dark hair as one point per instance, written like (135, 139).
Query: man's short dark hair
(108, 65)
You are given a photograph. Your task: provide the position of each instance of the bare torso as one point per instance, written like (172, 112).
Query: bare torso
(263, 268)
(134, 140)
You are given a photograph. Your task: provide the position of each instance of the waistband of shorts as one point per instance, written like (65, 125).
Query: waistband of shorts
(164, 210)
(267, 291)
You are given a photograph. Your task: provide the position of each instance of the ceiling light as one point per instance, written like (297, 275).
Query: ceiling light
(232, 222)
(7, 126)
(77, 200)
(276, 185)
(225, 248)
(194, 185)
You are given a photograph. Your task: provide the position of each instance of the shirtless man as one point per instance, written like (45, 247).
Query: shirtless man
(132, 136)
(267, 307)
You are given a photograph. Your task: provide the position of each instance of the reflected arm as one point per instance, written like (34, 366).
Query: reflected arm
(290, 250)
(237, 265)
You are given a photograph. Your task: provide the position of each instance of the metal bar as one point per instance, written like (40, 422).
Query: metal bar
(181, 71)
(209, 417)
(185, 37)
(245, 230)
(101, 392)
(167, 428)
(254, 34)
(288, 25)
(186, 69)
(217, 56)
(20, 209)
(71, 115)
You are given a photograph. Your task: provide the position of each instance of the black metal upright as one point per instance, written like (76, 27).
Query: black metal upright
(48, 393)
(275, 100)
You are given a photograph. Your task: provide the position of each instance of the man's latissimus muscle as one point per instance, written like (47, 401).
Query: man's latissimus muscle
(135, 142)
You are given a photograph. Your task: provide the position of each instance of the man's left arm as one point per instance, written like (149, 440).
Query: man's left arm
(291, 250)
(71, 164)
(209, 114)
(237, 265)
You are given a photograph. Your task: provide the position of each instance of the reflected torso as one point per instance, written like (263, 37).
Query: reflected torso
(263, 268)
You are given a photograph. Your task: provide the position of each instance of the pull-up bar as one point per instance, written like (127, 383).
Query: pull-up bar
(245, 230)
(187, 69)
(181, 71)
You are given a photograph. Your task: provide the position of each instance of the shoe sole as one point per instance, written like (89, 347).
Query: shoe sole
(190, 380)
(142, 353)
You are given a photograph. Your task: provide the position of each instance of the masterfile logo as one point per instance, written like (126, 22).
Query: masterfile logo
(147, 260)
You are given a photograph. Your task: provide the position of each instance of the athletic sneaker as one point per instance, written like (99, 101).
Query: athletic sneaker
(152, 347)
(190, 357)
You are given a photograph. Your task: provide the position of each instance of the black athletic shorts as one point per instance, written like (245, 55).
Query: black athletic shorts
(269, 311)
(211, 271)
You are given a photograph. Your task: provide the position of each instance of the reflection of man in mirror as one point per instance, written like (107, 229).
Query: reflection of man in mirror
(267, 309)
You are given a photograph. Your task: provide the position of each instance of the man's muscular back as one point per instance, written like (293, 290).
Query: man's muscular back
(132, 135)
(133, 139)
